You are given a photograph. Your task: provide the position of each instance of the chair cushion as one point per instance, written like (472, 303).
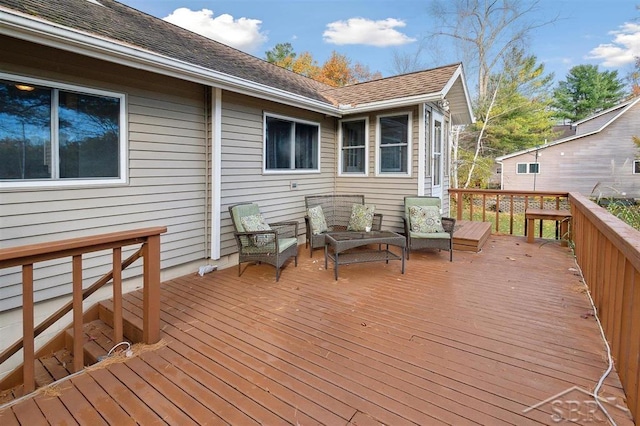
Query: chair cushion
(361, 217)
(255, 222)
(318, 222)
(425, 219)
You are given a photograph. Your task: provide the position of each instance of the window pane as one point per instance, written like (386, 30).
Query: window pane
(393, 159)
(89, 130)
(353, 146)
(521, 168)
(25, 131)
(534, 168)
(394, 130)
(353, 133)
(306, 146)
(636, 167)
(278, 143)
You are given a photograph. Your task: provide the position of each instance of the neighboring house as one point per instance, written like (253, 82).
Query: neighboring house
(111, 119)
(599, 159)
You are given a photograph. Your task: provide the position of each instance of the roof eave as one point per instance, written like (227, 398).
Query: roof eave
(390, 103)
(38, 31)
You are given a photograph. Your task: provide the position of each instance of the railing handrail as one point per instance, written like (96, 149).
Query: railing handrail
(508, 192)
(33, 253)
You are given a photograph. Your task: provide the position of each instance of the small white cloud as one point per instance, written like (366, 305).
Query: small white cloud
(365, 31)
(243, 33)
(622, 50)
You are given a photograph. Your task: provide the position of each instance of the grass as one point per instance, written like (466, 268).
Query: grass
(625, 212)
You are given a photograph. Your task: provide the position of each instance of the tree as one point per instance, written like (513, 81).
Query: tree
(336, 71)
(485, 31)
(586, 91)
(282, 55)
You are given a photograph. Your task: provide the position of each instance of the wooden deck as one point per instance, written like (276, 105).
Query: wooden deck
(476, 341)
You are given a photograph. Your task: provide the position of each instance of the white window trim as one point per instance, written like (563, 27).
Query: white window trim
(366, 148)
(79, 182)
(409, 144)
(527, 172)
(264, 145)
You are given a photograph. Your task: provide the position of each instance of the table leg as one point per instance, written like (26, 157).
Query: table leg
(326, 255)
(402, 248)
(530, 230)
(387, 254)
(335, 265)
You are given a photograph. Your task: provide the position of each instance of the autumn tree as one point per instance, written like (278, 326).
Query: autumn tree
(586, 91)
(336, 71)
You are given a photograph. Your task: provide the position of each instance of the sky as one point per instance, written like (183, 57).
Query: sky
(605, 33)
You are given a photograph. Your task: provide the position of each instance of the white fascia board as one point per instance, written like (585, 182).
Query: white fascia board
(391, 103)
(459, 74)
(45, 33)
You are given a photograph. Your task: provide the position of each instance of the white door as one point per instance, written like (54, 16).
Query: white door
(437, 146)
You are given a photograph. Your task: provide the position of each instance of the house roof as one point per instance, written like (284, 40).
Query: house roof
(618, 111)
(115, 32)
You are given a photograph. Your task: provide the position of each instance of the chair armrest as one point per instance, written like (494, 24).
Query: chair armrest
(448, 223)
(377, 222)
(247, 239)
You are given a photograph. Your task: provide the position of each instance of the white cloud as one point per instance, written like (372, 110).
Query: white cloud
(622, 50)
(243, 33)
(365, 31)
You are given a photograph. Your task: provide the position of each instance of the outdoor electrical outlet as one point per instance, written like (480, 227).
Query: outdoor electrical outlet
(294, 185)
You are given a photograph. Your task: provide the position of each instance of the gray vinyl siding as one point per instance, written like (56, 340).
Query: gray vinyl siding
(598, 165)
(385, 192)
(242, 177)
(166, 133)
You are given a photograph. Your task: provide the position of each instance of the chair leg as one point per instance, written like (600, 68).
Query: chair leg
(277, 274)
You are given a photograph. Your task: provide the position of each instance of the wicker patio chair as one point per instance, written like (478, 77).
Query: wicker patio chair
(272, 243)
(425, 231)
(337, 211)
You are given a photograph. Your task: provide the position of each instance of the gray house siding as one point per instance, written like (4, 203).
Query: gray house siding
(166, 187)
(600, 164)
(243, 179)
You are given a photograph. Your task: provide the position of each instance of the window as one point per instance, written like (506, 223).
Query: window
(353, 147)
(291, 145)
(636, 167)
(527, 168)
(394, 134)
(59, 135)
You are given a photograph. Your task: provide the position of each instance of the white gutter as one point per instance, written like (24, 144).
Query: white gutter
(38, 31)
(388, 104)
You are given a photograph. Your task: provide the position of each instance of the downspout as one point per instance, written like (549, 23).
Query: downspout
(207, 171)
(422, 149)
(501, 174)
(216, 170)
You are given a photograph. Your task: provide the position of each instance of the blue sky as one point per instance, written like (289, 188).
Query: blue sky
(599, 32)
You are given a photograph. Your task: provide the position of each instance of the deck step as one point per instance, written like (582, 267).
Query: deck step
(470, 236)
(58, 364)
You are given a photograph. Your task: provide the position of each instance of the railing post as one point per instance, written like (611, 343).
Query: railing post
(151, 290)
(78, 332)
(28, 366)
(118, 333)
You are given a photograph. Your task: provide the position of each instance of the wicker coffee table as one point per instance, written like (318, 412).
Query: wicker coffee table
(339, 247)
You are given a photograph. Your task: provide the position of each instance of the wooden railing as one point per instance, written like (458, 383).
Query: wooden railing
(505, 209)
(608, 253)
(27, 256)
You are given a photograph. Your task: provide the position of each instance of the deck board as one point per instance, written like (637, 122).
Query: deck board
(473, 341)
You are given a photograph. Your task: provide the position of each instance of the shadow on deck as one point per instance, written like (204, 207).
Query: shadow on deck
(476, 341)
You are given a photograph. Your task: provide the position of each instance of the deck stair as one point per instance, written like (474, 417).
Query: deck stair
(55, 360)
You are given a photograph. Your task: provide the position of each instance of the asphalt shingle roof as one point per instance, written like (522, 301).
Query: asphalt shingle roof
(120, 23)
